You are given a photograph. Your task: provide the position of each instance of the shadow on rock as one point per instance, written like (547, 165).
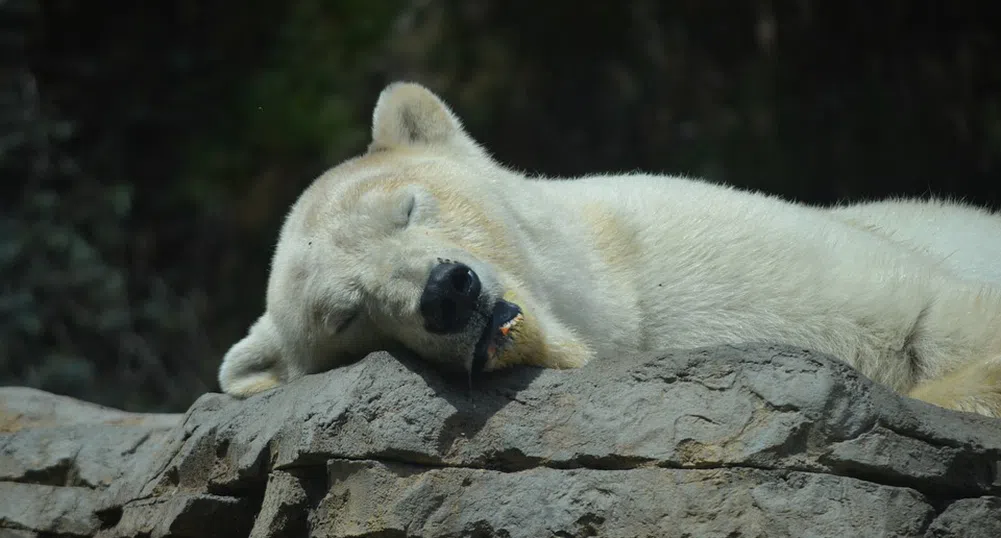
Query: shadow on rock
(475, 400)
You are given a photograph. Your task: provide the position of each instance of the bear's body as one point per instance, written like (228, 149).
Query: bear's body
(964, 238)
(557, 272)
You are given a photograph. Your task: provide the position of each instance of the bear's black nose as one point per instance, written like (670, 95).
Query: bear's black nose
(449, 297)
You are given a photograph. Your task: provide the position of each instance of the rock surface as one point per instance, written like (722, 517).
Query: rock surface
(60, 459)
(753, 440)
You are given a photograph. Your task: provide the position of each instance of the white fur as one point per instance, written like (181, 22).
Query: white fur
(908, 292)
(964, 237)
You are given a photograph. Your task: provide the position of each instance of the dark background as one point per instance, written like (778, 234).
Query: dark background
(148, 150)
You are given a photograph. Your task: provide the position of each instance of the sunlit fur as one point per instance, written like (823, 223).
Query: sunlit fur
(908, 292)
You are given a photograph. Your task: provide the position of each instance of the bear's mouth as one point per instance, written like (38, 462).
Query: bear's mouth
(496, 335)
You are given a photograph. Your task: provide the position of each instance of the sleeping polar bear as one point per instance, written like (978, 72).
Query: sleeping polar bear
(426, 244)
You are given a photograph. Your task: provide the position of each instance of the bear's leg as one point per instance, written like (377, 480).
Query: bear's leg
(254, 364)
(540, 339)
(975, 387)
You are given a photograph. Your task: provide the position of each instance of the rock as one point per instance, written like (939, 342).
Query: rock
(60, 458)
(647, 501)
(969, 518)
(753, 440)
(60, 510)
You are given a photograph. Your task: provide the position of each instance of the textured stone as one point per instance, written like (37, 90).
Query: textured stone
(368, 498)
(286, 505)
(59, 441)
(41, 508)
(969, 518)
(60, 458)
(187, 515)
(753, 440)
(15, 533)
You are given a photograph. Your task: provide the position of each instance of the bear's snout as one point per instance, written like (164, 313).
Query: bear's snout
(449, 297)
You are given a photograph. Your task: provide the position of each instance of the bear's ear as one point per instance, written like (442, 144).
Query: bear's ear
(254, 363)
(408, 114)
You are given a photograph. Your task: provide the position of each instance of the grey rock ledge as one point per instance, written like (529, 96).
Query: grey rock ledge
(754, 441)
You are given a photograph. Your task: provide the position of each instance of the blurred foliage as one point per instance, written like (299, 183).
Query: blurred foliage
(150, 150)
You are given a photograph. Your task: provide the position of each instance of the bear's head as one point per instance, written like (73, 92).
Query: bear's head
(407, 247)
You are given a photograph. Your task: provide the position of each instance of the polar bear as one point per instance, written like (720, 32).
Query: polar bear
(426, 244)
